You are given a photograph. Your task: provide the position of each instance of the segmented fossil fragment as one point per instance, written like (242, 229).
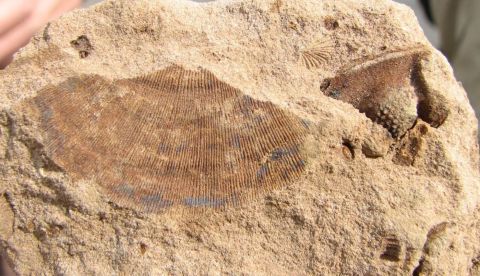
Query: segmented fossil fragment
(174, 137)
(392, 249)
(317, 54)
(388, 90)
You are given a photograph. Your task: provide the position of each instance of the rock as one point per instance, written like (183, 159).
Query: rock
(6, 228)
(243, 137)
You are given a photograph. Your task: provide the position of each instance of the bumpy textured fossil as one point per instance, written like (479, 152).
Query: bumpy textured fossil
(174, 137)
(390, 91)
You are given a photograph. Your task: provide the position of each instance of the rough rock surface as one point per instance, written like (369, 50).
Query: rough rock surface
(387, 189)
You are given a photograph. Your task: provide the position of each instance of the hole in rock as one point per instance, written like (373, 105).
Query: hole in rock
(82, 45)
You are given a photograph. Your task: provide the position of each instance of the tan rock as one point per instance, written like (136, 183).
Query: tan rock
(6, 213)
(348, 97)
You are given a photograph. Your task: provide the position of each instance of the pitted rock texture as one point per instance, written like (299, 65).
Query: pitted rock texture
(387, 174)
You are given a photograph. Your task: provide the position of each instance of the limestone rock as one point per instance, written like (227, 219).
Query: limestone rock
(237, 137)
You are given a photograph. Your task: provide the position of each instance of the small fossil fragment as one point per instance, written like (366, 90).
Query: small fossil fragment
(174, 137)
(391, 249)
(276, 6)
(317, 53)
(411, 146)
(348, 150)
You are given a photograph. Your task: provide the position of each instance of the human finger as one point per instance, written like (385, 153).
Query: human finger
(17, 37)
(47, 10)
(20, 35)
(12, 12)
(65, 6)
(5, 61)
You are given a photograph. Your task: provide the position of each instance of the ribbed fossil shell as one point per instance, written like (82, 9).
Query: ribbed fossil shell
(317, 53)
(174, 137)
(383, 89)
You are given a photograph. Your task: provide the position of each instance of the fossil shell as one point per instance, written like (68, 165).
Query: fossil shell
(174, 137)
(317, 54)
(383, 89)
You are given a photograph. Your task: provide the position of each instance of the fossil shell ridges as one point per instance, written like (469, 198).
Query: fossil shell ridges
(174, 137)
(317, 54)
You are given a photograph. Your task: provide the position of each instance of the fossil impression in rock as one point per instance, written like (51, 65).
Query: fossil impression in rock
(390, 90)
(174, 137)
(317, 53)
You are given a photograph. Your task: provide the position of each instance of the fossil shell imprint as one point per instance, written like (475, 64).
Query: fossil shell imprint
(317, 54)
(174, 137)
